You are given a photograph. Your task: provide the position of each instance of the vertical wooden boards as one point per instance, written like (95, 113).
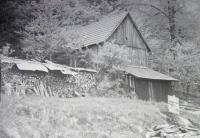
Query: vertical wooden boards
(151, 93)
(126, 34)
(142, 88)
(154, 90)
(161, 89)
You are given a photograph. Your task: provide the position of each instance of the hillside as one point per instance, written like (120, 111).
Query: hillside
(77, 118)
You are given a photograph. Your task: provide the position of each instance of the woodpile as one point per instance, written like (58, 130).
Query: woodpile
(172, 131)
(17, 82)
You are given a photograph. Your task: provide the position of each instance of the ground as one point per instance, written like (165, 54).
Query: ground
(40, 117)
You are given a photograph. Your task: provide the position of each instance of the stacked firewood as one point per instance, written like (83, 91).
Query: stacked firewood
(84, 81)
(17, 82)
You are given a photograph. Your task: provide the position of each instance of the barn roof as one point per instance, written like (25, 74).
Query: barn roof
(100, 31)
(146, 73)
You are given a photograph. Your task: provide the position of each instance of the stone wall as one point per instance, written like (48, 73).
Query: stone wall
(53, 83)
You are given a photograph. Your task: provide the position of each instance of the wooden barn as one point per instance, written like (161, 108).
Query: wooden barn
(120, 28)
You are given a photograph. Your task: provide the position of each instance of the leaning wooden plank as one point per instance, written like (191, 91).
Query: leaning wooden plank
(36, 91)
(49, 91)
(41, 89)
(190, 108)
(37, 87)
(45, 90)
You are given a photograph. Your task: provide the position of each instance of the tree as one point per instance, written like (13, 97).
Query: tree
(46, 34)
(14, 16)
(165, 21)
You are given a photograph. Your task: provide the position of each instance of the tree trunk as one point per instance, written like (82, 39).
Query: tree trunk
(187, 91)
(172, 25)
(171, 19)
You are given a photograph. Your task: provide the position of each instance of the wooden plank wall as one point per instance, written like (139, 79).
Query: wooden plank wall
(161, 89)
(142, 88)
(155, 90)
(126, 34)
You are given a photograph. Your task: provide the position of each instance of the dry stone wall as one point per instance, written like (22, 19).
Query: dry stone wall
(53, 83)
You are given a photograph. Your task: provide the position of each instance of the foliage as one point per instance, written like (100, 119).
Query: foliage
(111, 54)
(185, 67)
(14, 16)
(44, 35)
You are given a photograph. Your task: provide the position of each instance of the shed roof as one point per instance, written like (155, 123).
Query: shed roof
(24, 64)
(146, 73)
(84, 70)
(53, 66)
(30, 66)
(62, 68)
(100, 31)
(68, 72)
(38, 66)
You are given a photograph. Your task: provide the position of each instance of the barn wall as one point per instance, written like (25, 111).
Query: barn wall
(156, 90)
(161, 89)
(128, 35)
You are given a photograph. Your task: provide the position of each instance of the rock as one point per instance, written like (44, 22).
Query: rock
(183, 130)
(184, 122)
(153, 134)
(160, 127)
(170, 130)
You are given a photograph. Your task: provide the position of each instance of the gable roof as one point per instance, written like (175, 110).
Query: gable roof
(100, 31)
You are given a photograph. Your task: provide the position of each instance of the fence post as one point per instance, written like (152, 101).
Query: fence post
(0, 82)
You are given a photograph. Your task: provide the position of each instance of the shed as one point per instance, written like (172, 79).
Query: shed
(148, 84)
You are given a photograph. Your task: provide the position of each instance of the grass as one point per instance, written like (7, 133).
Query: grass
(37, 117)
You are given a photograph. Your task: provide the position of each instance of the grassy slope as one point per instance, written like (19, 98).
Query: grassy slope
(76, 118)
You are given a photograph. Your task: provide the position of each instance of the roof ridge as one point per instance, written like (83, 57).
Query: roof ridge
(117, 25)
